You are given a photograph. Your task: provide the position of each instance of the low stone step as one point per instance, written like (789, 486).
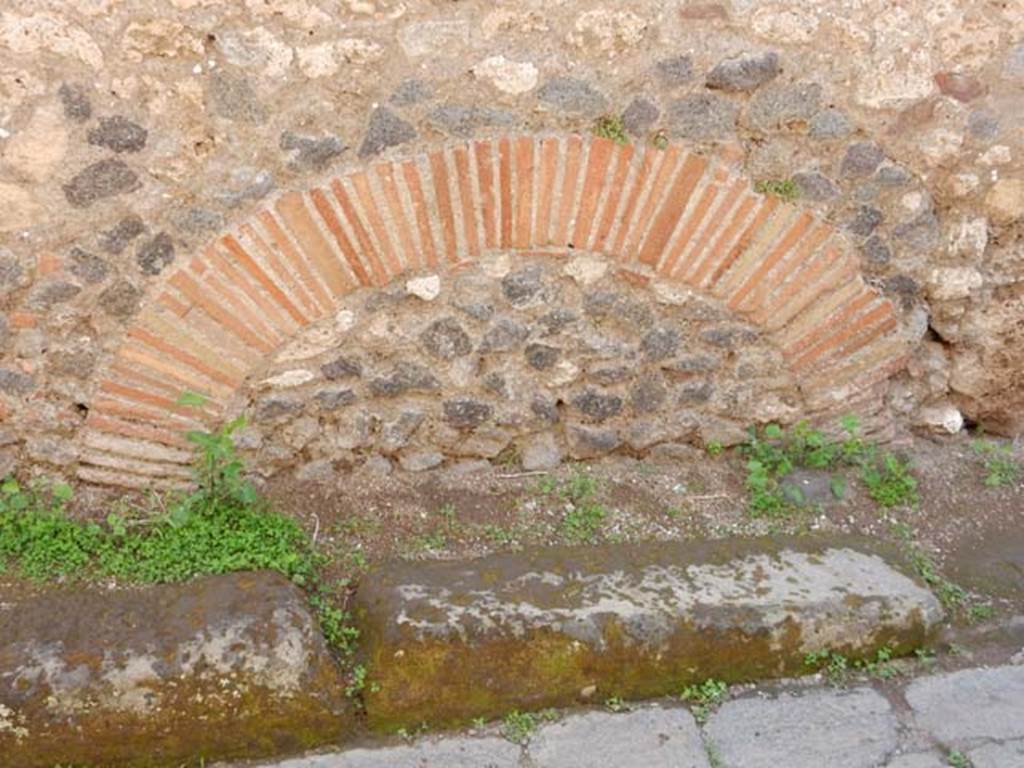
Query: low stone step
(226, 666)
(446, 642)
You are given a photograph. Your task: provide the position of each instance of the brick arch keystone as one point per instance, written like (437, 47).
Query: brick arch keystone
(669, 214)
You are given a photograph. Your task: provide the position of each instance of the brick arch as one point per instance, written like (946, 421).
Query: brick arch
(669, 214)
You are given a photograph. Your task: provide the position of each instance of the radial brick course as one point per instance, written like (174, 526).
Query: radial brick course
(667, 214)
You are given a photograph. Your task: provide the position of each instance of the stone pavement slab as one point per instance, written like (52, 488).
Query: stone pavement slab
(969, 706)
(451, 752)
(646, 738)
(1008, 754)
(449, 641)
(919, 760)
(838, 729)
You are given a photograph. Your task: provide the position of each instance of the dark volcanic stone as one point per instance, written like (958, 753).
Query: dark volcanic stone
(495, 382)
(120, 299)
(329, 399)
(784, 106)
(466, 413)
(640, 115)
(702, 116)
(119, 134)
(411, 92)
(463, 121)
(865, 221)
(596, 405)
(570, 94)
(614, 375)
(727, 336)
(342, 368)
(404, 377)
(815, 186)
(557, 320)
(117, 239)
(545, 409)
(76, 102)
(15, 382)
(386, 129)
(105, 178)
(86, 266)
(504, 335)
(233, 98)
(155, 254)
(48, 294)
(541, 356)
(830, 124)
(696, 363)
(445, 339)
(312, 153)
(744, 73)
(647, 395)
(861, 160)
(675, 71)
(696, 392)
(522, 286)
(277, 407)
(197, 221)
(659, 343)
(876, 251)
(921, 232)
(588, 442)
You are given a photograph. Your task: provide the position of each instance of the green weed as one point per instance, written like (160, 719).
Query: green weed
(958, 760)
(784, 189)
(950, 595)
(704, 698)
(611, 127)
(890, 484)
(997, 458)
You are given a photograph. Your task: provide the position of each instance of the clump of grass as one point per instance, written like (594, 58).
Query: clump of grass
(612, 128)
(784, 189)
(704, 698)
(518, 727)
(952, 596)
(584, 517)
(223, 525)
(999, 464)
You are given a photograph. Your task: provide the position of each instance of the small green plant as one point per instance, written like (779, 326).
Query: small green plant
(1000, 466)
(714, 449)
(357, 682)
(714, 755)
(980, 612)
(834, 665)
(784, 189)
(704, 698)
(891, 484)
(616, 704)
(924, 656)
(958, 760)
(611, 127)
(881, 665)
(518, 726)
(584, 517)
(951, 595)
(660, 140)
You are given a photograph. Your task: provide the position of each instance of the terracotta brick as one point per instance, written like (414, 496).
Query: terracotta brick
(688, 248)
(371, 209)
(22, 319)
(598, 161)
(798, 257)
(280, 240)
(505, 190)
(154, 416)
(761, 216)
(142, 431)
(567, 199)
(137, 380)
(299, 221)
(128, 480)
(756, 251)
(411, 174)
(280, 323)
(699, 274)
(638, 223)
(687, 235)
(523, 205)
(464, 176)
(137, 449)
(839, 277)
(248, 263)
(806, 275)
(286, 278)
(190, 378)
(689, 175)
(366, 254)
(48, 263)
(863, 371)
(624, 157)
(410, 255)
(152, 471)
(787, 243)
(871, 323)
(625, 218)
(209, 301)
(348, 250)
(549, 156)
(632, 277)
(443, 195)
(488, 204)
(193, 362)
(141, 396)
(824, 317)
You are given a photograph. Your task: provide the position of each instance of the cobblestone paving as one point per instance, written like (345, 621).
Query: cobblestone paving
(971, 717)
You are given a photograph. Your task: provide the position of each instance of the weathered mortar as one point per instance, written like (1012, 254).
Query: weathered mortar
(199, 111)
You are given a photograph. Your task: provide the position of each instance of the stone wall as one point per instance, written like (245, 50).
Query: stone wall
(316, 212)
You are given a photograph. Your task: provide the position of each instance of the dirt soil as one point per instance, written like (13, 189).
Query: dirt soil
(974, 532)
